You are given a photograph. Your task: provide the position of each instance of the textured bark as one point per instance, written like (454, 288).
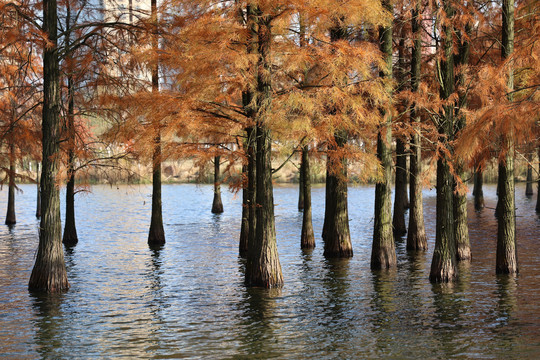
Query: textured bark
(244, 226)
(38, 196)
(49, 272)
(400, 199)
(217, 204)
(529, 187)
(263, 267)
(478, 192)
(70, 230)
(538, 186)
(461, 228)
(10, 215)
(301, 188)
(336, 234)
(383, 252)
(416, 236)
(443, 266)
(507, 262)
(307, 239)
(156, 235)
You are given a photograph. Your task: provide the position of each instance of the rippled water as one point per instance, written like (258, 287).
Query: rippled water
(187, 300)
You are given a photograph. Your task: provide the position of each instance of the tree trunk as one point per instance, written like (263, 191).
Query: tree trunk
(538, 187)
(529, 188)
(307, 239)
(400, 199)
(38, 200)
(156, 236)
(478, 192)
(506, 221)
(263, 267)
(443, 266)
(416, 236)
(10, 215)
(301, 187)
(49, 272)
(217, 204)
(383, 252)
(70, 229)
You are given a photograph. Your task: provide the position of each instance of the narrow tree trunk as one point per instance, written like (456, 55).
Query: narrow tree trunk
(529, 188)
(263, 267)
(400, 199)
(383, 252)
(38, 200)
(443, 266)
(478, 192)
(307, 239)
(244, 226)
(301, 188)
(416, 236)
(70, 230)
(538, 187)
(506, 222)
(49, 272)
(10, 215)
(156, 236)
(217, 204)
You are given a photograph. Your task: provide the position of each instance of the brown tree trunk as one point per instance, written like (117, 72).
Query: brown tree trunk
(416, 236)
(478, 192)
(156, 235)
(443, 266)
(529, 188)
(263, 267)
(301, 188)
(38, 200)
(49, 272)
(400, 200)
(383, 252)
(538, 187)
(10, 215)
(217, 204)
(307, 239)
(506, 221)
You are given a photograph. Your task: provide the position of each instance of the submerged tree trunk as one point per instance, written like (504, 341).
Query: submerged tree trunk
(416, 236)
(49, 272)
(400, 198)
(307, 239)
(478, 192)
(443, 266)
(506, 221)
(38, 196)
(217, 204)
(10, 215)
(156, 235)
(383, 252)
(529, 187)
(263, 267)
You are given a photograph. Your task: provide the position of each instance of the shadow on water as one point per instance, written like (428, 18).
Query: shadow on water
(48, 322)
(383, 309)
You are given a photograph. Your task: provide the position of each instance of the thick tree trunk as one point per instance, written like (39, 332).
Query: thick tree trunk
(10, 215)
(38, 196)
(336, 233)
(478, 192)
(529, 187)
(443, 266)
(383, 252)
(506, 221)
(263, 267)
(461, 228)
(416, 236)
(244, 226)
(401, 199)
(49, 272)
(307, 239)
(217, 204)
(156, 235)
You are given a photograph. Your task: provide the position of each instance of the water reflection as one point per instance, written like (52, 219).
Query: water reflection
(383, 308)
(507, 302)
(49, 333)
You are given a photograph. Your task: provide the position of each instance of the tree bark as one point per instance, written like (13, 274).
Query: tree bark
(49, 272)
(156, 235)
(478, 192)
(263, 267)
(506, 221)
(10, 215)
(529, 188)
(38, 196)
(400, 200)
(383, 252)
(217, 204)
(301, 188)
(443, 266)
(307, 239)
(416, 236)
(538, 187)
